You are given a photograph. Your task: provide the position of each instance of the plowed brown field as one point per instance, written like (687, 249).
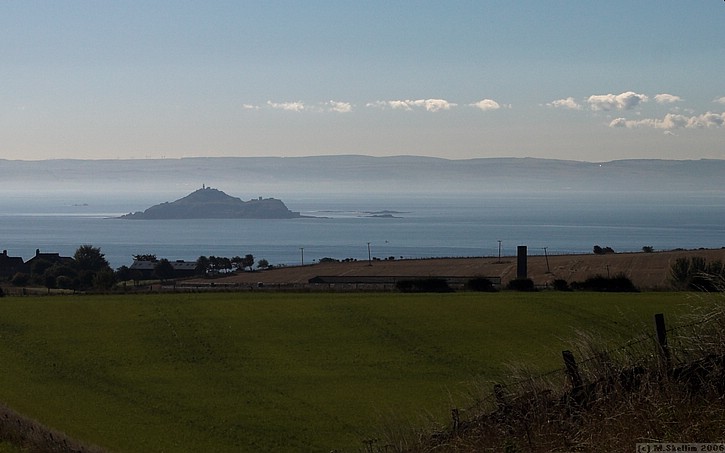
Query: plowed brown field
(646, 270)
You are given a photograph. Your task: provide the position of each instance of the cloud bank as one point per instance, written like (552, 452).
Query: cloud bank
(674, 121)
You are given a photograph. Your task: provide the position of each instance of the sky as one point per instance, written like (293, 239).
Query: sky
(560, 79)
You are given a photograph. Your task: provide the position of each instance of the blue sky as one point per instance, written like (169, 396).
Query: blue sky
(578, 80)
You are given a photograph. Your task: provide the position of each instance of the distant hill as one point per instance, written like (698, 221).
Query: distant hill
(208, 203)
(360, 175)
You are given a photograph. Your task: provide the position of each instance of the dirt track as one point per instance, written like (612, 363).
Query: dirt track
(646, 270)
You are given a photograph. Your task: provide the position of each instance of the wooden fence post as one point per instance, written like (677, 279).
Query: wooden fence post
(664, 349)
(499, 395)
(572, 370)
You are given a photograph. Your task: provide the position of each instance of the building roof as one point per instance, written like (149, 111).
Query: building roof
(6, 260)
(51, 257)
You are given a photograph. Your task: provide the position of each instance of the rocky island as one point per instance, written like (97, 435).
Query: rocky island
(209, 203)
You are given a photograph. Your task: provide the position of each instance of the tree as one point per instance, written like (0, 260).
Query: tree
(49, 281)
(602, 250)
(164, 270)
(64, 282)
(20, 279)
(88, 262)
(38, 268)
(262, 264)
(123, 273)
(248, 261)
(202, 265)
(146, 257)
(224, 264)
(89, 258)
(104, 279)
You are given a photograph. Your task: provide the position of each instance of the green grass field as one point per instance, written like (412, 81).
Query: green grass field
(283, 372)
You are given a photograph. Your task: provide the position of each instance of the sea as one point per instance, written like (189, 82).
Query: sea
(358, 227)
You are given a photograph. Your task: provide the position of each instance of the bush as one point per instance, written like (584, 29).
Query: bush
(20, 279)
(560, 285)
(620, 283)
(480, 284)
(428, 285)
(521, 284)
(602, 250)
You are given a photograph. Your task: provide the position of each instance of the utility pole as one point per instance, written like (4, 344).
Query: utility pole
(548, 271)
(302, 251)
(499, 251)
(370, 259)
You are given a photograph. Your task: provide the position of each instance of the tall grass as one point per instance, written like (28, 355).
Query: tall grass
(629, 394)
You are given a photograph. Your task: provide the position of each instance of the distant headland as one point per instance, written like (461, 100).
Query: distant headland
(209, 203)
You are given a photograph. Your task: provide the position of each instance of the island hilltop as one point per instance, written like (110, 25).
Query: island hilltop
(208, 203)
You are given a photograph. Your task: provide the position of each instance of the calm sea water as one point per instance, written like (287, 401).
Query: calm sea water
(342, 228)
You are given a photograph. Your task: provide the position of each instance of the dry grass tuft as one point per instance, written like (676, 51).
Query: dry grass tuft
(620, 397)
(31, 436)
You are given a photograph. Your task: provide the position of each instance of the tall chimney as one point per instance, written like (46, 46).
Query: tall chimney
(521, 262)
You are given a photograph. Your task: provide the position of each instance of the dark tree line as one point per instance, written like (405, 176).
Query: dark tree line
(212, 265)
(88, 269)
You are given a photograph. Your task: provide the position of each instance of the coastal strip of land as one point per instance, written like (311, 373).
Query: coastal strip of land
(648, 271)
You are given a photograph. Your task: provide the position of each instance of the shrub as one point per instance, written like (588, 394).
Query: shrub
(20, 279)
(64, 282)
(480, 284)
(560, 285)
(428, 285)
(602, 250)
(648, 249)
(620, 283)
(521, 284)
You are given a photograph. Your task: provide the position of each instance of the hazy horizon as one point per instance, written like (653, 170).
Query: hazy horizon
(583, 81)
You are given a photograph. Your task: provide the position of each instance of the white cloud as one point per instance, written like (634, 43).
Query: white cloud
(434, 105)
(674, 121)
(665, 98)
(289, 106)
(339, 107)
(250, 107)
(720, 100)
(623, 101)
(400, 105)
(430, 105)
(486, 105)
(568, 103)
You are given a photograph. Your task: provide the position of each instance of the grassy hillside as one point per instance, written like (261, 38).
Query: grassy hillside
(282, 372)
